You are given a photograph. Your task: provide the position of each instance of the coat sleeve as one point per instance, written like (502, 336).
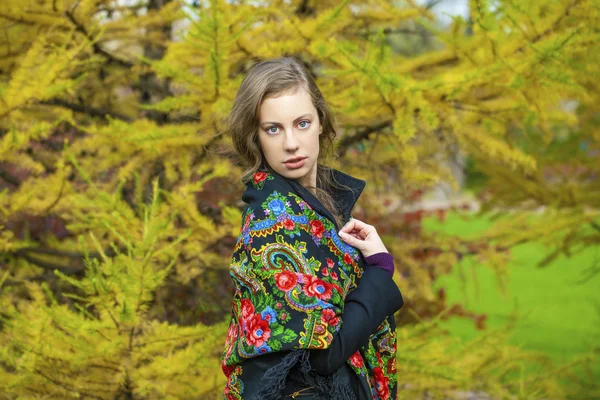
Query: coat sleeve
(375, 298)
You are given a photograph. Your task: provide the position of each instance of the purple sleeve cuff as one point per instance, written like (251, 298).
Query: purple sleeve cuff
(381, 260)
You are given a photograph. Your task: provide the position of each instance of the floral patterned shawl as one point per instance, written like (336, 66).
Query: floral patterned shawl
(291, 273)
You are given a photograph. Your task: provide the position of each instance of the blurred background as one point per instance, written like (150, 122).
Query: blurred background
(475, 124)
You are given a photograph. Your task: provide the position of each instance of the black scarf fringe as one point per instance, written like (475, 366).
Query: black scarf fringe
(334, 387)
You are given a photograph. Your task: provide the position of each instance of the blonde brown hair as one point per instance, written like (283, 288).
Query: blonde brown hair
(272, 78)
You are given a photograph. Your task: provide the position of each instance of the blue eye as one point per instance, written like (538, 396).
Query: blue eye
(269, 131)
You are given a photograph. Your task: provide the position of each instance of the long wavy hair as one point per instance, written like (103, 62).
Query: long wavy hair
(272, 78)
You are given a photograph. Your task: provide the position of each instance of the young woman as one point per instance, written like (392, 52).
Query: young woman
(313, 310)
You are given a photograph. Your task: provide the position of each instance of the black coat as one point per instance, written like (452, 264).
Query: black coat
(307, 315)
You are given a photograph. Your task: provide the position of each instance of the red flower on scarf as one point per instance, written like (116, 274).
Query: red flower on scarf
(356, 359)
(391, 365)
(257, 331)
(315, 287)
(317, 228)
(247, 309)
(227, 369)
(348, 259)
(330, 263)
(381, 383)
(329, 317)
(286, 280)
(289, 224)
(260, 176)
(337, 287)
(232, 333)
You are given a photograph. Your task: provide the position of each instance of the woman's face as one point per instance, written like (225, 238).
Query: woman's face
(289, 129)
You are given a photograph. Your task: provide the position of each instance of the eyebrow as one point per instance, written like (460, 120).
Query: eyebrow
(300, 117)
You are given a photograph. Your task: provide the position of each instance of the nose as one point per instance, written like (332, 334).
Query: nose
(291, 142)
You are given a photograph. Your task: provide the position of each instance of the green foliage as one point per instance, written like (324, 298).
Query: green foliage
(104, 345)
(552, 310)
(486, 366)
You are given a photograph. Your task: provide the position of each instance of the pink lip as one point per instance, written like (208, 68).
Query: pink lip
(297, 163)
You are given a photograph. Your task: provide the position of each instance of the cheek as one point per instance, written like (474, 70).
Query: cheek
(316, 141)
(312, 139)
(265, 146)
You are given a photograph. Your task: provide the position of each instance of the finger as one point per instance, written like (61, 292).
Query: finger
(348, 226)
(341, 232)
(351, 240)
(361, 234)
(353, 224)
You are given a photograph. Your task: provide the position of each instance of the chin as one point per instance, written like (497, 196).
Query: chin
(295, 173)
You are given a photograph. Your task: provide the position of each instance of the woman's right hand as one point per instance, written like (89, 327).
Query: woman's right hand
(362, 236)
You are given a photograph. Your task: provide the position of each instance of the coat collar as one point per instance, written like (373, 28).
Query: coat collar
(347, 197)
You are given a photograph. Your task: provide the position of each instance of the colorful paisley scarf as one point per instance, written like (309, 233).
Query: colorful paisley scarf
(291, 274)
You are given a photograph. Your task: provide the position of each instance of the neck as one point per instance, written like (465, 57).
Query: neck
(310, 179)
(309, 183)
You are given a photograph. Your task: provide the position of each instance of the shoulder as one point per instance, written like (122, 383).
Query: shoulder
(276, 213)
